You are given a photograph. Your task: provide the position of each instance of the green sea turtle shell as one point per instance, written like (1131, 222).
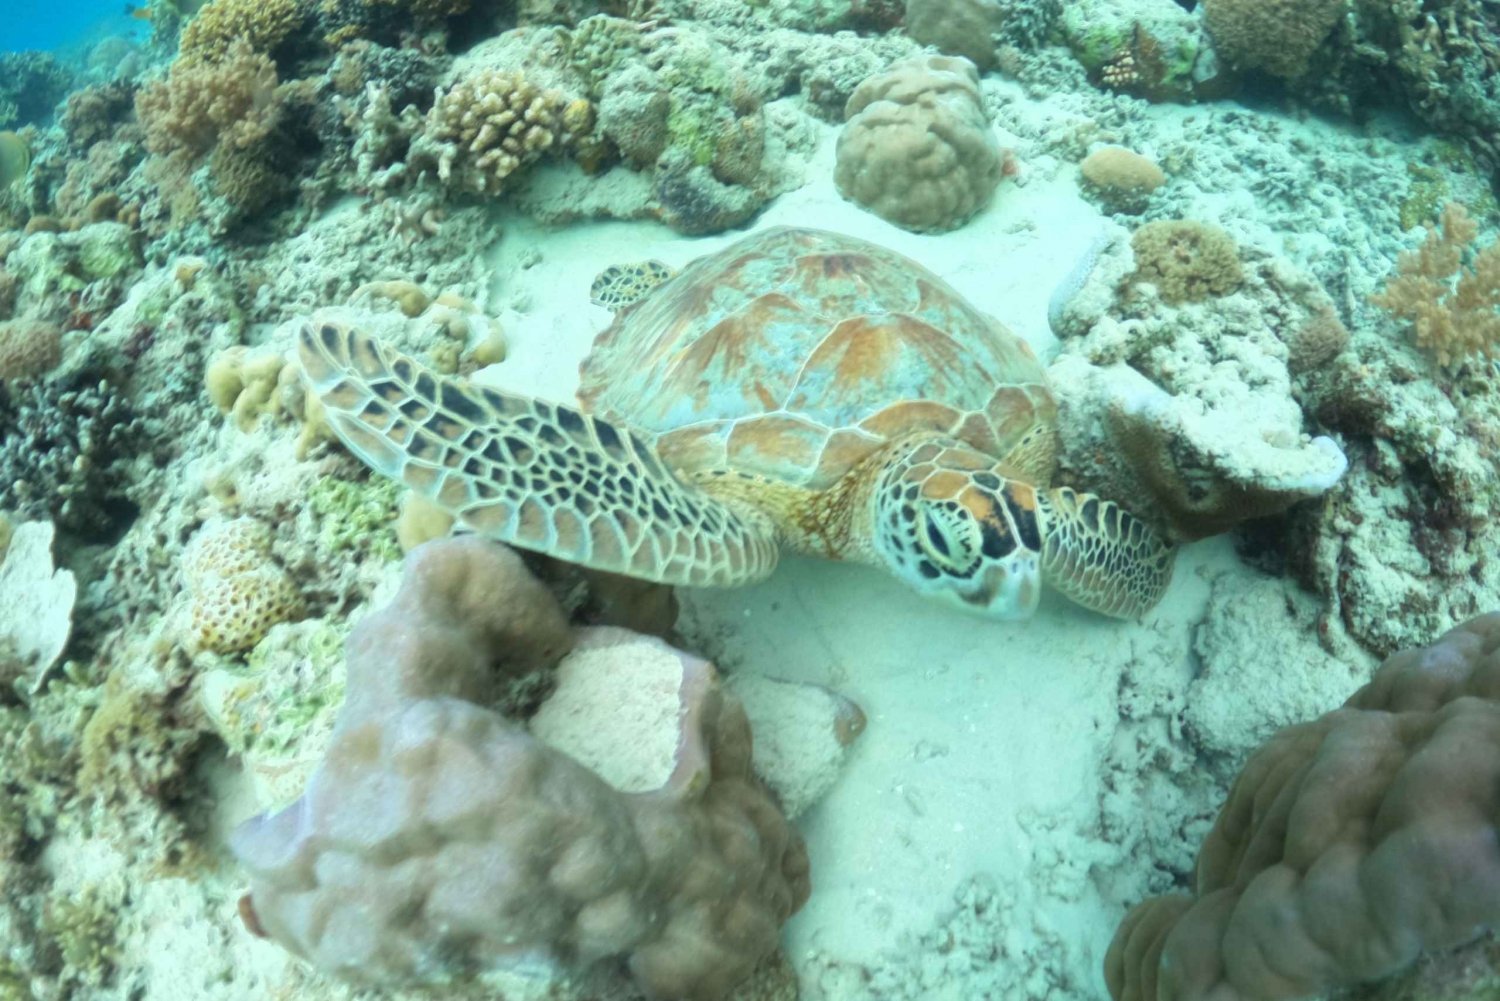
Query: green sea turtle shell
(794, 353)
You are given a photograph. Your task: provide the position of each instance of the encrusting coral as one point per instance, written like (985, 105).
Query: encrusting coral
(438, 838)
(918, 149)
(1347, 846)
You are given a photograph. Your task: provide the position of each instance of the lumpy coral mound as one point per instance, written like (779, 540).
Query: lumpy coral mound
(440, 838)
(1348, 845)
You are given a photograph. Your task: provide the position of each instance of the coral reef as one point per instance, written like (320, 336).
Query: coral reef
(527, 854)
(31, 85)
(1183, 406)
(1347, 845)
(918, 149)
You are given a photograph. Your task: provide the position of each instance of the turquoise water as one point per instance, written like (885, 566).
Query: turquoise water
(38, 24)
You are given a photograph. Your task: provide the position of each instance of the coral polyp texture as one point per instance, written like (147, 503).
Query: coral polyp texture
(1347, 847)
(918, 149)
(439, 838)
(238, 592)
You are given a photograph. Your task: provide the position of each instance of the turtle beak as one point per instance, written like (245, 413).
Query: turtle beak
(1008, 591)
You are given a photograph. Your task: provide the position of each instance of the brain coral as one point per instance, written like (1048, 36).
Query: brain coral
(917, 149)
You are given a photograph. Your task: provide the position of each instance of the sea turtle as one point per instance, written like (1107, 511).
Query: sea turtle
(799, 389)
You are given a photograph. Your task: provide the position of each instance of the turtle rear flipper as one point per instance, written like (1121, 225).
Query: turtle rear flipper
(1100, 555)
(534, 474)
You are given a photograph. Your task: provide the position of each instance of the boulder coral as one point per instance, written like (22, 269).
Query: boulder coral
(1347, 846)
(918, 149)
(439, 838)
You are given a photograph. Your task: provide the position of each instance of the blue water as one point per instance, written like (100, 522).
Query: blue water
(63, 24)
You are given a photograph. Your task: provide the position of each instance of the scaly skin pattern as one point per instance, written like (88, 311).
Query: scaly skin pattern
(537, 475)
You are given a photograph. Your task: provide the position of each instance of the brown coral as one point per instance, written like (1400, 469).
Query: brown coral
(230, 101)
(1454, 309)
(1347, 846)
(260, 24)
(438, 837)
(918, 149)
(28, 348)
(1186, 260)
(1278, 36)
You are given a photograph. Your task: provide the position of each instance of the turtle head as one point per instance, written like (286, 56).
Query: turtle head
(953, 529)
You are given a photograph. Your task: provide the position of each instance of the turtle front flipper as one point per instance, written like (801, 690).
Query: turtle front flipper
(1100, 555)
(537, 475)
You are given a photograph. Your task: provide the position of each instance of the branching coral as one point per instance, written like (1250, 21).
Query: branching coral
(64, 452)
(261, 24)
(492, 123)
(202, 103)
(1347, 846)
(1449, 291)
(439, 838)
(918, 149)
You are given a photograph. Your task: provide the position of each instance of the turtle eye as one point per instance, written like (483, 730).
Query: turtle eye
(948, 535)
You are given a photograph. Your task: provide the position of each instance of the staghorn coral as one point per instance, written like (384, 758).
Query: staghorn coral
(490, 124)
(918, 149)
(438, 838)
(1448, 291)
(262, 25)
(1346, 847)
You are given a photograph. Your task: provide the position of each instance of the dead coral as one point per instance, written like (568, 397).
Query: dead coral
(1448, 291)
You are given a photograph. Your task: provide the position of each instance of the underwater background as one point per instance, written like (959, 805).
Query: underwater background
(750, 499)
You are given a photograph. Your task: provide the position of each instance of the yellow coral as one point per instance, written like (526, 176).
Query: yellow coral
(1452, 308)
(238, 591)
(264, 24)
